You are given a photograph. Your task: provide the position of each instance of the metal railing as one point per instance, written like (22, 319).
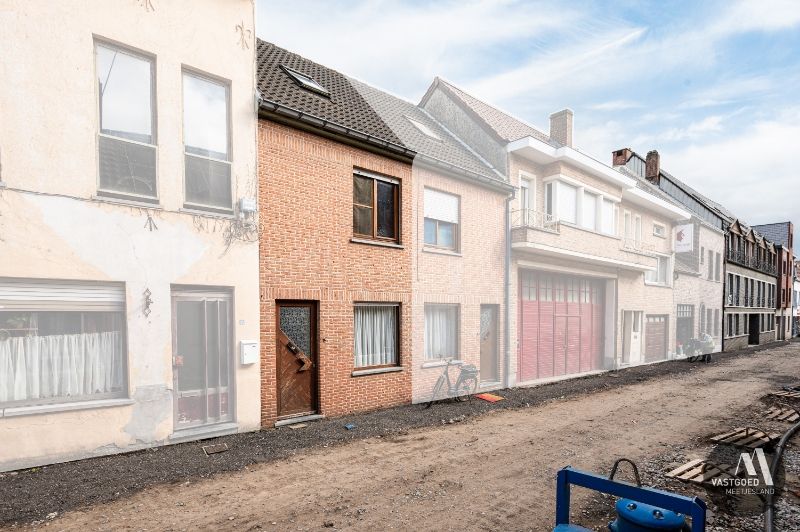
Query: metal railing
(534, 219)
(741, 258)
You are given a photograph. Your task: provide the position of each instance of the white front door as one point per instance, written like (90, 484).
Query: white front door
(632, 337)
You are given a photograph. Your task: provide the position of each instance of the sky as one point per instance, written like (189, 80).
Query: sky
(714, 86)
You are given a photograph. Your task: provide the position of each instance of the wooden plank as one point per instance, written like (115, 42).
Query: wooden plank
(700, 472)
(678, 470)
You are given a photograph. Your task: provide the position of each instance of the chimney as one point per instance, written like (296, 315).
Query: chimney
(621, 157)
(561, 127)
(652, 167)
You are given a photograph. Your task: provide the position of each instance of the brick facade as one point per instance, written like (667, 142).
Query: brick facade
(306, 253)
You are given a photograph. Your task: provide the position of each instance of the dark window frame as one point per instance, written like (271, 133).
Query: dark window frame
(396, 187)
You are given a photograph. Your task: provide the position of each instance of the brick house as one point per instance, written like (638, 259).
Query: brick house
(373, 218)
(749, 271)
(699, 261)
(782, 235)
(591, 269)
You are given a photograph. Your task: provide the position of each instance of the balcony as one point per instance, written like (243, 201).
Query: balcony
(739, 257)
(528, 218)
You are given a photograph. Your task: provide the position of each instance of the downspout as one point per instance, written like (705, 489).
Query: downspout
(724, 290)
(507, 293)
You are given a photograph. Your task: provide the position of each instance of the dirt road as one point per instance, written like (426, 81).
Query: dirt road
(495, 472)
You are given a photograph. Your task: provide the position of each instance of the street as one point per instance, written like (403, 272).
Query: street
(494, 472)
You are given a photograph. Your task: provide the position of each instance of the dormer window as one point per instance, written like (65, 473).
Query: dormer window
(305, 81)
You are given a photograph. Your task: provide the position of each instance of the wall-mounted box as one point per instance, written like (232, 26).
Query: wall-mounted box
(248, 352)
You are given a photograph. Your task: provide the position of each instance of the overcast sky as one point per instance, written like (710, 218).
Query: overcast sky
(712, 85)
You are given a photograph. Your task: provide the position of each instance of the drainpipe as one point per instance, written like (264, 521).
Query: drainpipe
(507, 293)
(724, 289)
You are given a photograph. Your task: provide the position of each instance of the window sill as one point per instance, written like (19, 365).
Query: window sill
(199, 210)
(437, 251)
(587, 230)
(16, 411)
(375, 371)
(440, 363)
(376, 243)
(130, 202)
(657, 285)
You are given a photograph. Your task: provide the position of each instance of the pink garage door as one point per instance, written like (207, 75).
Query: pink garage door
(560, 325)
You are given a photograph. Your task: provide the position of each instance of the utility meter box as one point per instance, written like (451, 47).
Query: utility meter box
(248, 352)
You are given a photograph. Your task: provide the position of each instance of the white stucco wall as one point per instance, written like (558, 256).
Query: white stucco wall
(52, 225)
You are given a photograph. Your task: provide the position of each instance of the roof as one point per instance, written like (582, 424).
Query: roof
(776, 232)
(357, 106)
(501, 123)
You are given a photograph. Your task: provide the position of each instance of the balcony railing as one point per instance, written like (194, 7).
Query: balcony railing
(534, 219)
(740, 257)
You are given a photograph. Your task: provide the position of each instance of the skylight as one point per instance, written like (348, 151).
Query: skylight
(423, 128)
(307, 82)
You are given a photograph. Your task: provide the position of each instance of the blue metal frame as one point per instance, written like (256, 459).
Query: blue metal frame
(691, 506)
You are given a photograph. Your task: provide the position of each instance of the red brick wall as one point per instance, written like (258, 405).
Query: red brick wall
(306, 217)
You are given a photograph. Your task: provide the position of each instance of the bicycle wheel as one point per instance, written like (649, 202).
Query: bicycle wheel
(437, 391)
(465, 388)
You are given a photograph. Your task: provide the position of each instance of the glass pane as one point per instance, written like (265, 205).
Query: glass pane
(127, 168)
(567, 202)
(212, 359)
(208, 182)
(205, 117)
(64, 355)
(295, 322)
(362, 220)
(441, 331)
(375, 335)
(446, 235)
(190, 348)
(430, 231)
(124, 84)
(589, 211)
(386, 219)
(362, 190)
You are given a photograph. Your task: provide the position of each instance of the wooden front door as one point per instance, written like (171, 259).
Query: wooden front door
(655, 338)
(296, 338)
(489, 341)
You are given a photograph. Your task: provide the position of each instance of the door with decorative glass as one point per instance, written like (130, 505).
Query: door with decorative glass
(296, 350)
(202, 358)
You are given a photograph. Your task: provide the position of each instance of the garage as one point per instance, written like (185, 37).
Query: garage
(560, 325)
(655, 338)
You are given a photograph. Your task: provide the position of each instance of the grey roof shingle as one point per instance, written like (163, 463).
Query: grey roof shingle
(504, 125)
(362, 108)
(775, 232)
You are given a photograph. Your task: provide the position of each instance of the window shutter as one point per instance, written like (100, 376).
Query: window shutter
(33, 295)
(441, 206)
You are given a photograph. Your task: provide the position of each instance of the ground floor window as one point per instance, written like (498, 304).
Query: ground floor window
(441, 331)
(61, 342)
(375, 334)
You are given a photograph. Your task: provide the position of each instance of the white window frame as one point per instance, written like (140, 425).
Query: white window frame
(151, 59)
(659, 230)
(226, 84)
(456, 247)
(457, 354)
(667, 274)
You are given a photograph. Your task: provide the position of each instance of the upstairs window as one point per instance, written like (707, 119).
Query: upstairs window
(567, 203)
(660, 275)
(206, 142)
(589, 211)
(376, 213)
(659, 230)
(608, 218)
(126, 141)
(441, 219)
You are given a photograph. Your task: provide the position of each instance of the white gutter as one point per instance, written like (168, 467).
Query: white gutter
(541, 152)
(663, 207)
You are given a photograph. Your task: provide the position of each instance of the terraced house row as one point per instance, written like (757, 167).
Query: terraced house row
(227, 236)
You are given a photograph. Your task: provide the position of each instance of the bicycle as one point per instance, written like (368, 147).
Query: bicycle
(466, 384)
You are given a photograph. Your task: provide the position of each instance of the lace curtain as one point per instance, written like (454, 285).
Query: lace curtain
(375, 335)
(60, 366)
(441, 331)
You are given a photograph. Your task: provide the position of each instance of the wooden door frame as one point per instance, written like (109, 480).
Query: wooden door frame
(314, 304)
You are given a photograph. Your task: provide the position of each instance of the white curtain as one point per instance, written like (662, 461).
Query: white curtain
(60, 366)
(441, 331)
(375, 335)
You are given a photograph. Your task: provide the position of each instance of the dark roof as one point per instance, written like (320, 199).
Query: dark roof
(501, 123)
(360, 107)
(776, 232)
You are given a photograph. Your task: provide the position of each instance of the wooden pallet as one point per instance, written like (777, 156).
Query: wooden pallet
(701, 472)
(783, 414)
(787, 394)
(746, 437)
